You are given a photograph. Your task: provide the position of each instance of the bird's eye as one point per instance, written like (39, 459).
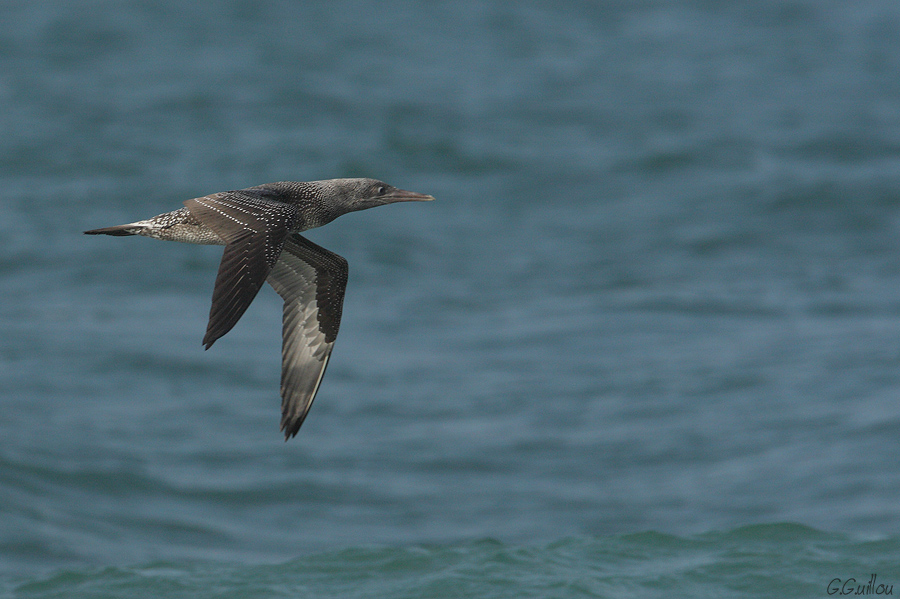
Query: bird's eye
(381, 190)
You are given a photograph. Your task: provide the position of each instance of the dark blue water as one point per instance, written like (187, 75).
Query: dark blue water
(659, 295)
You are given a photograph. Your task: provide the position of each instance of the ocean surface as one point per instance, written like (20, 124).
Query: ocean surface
(646, 342)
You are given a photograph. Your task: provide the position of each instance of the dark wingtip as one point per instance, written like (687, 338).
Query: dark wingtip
(209, 339)
(290, 429)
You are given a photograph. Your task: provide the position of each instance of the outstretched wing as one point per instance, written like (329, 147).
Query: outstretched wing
(254, 228)
(312, 281)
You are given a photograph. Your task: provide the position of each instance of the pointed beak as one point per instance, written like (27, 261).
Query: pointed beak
(400, 195)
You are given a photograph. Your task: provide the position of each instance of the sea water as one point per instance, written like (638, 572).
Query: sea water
(646, 342)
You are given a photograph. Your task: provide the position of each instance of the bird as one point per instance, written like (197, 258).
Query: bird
(260, 228)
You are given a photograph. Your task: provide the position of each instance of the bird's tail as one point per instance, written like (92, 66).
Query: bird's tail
(118, 230)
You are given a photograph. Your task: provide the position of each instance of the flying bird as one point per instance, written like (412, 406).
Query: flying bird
(260, 228)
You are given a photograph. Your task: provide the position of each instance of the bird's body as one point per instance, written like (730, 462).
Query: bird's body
(259, 227)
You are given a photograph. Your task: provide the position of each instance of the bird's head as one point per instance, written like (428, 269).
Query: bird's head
(350, 195)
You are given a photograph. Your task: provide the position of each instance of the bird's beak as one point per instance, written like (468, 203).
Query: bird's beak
(400, 195)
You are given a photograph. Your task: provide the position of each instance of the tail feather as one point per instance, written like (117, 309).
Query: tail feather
(118, 230)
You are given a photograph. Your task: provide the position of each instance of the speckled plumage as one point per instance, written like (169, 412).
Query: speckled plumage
(259, 227)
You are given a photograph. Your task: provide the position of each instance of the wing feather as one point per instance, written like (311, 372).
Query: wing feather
(253, 227)
(311, 280)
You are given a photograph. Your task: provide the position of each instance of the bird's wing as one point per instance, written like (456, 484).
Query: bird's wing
(312, 281)
(254, 228)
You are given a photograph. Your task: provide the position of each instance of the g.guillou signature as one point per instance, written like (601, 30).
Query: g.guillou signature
(850, 586)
